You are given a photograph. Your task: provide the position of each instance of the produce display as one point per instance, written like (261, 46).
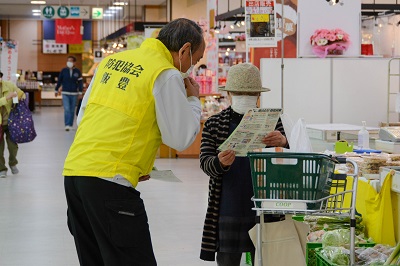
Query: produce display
(373, 256)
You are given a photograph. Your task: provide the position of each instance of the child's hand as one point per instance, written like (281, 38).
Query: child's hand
(226, 158)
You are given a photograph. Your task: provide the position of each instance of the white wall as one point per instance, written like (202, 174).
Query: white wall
(331, 90)
(318, 14)
(25, 32)
(191, 9)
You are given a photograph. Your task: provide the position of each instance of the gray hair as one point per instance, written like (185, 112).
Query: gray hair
(180, 31)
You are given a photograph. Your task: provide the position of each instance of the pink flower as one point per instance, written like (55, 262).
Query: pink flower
(323, 40)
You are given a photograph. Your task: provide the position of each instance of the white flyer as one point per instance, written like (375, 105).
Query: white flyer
(255, 124)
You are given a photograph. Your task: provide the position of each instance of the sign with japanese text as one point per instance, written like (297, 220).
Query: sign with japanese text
(54, 12)
(68, 31)
(9, 61)
(51, 47)
(260, 23)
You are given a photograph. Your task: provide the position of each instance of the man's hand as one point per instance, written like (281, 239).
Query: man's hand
(192, 87)
(275, 139)
(144, 178)
(226, 158)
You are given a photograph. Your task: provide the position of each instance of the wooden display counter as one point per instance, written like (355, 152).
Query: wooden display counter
(192, 152)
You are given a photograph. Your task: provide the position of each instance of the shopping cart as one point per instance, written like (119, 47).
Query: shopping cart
(300, 183)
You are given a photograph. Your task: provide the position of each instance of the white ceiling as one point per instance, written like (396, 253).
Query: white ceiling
(22, 9)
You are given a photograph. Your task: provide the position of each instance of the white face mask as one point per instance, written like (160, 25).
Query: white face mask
(189, 71)
(242, 103)
(70, 64)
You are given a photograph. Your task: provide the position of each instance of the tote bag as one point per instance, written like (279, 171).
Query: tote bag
(20, 123)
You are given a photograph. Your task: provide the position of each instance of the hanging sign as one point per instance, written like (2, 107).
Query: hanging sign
(260, 23)
(54, 12)
(9, 60)
(68, 31)
(97, 13)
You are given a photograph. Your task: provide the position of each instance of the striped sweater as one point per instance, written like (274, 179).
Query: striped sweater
(215, 132)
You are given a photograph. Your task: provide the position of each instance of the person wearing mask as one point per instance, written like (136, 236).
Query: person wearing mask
(70, 79)
(8, 91)
(136, 99)
(229, 214)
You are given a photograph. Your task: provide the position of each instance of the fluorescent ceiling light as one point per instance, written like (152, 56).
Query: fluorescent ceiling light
(110, 12)
(38, 2)
(120, 4)
(116, 7)
(107, 15)
(35, 14)
(36, 10)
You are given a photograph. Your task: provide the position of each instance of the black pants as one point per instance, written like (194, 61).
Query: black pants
(108, 222)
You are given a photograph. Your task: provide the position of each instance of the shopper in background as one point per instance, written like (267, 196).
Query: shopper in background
(70, 79)
(8, 91)
(137, 99)
(229, 214)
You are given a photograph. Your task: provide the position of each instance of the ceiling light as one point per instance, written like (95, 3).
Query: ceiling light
(107, 15)
(120, 4)
(238, 24)
(38, 2)
(116, 7)
(242, 22)
(332, 2)
(36, 10)
(36, 14)
(232, 26)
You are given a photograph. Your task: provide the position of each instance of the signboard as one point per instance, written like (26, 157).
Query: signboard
(68, 31)
(51, 47)
(98, 56)
(97, 13)
(8, 61)
(260, 23)
(54, 12)
(75, 48)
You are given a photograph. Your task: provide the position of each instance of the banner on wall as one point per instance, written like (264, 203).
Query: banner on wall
(68, 31)
(9, 61)
(260, 23)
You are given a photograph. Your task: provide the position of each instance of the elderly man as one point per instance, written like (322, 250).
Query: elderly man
(137, 99)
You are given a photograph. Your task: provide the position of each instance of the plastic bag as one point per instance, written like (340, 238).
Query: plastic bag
(379, 215)
(299, 140)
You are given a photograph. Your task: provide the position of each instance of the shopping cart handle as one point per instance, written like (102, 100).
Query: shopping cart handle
(341, 159)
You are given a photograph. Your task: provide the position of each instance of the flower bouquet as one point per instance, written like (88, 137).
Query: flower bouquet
(332, 42)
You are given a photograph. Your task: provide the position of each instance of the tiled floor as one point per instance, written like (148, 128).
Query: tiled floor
(33, 229)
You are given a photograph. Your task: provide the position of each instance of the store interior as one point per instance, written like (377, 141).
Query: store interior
(331, 95)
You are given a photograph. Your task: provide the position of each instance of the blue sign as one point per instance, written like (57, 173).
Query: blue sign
(75, 11)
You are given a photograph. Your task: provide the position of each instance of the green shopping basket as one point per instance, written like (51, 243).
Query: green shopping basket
(291, 177)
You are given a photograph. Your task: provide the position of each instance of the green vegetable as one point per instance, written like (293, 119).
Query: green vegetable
(331, 239)
(392, 256)
(341, 259)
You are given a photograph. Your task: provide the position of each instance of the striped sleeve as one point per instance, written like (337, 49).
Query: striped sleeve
(209, 161)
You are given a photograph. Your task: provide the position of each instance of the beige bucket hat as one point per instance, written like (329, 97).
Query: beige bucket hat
(243, 77)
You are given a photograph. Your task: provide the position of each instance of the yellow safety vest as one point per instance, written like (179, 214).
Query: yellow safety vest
(118, 133)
